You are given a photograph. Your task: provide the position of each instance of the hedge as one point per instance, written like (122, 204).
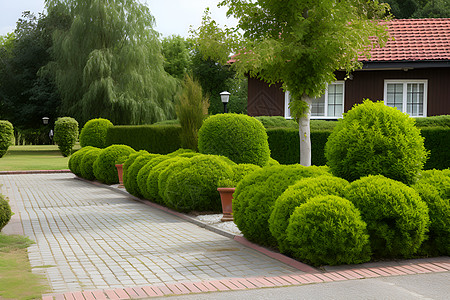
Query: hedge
(154, 139)
(437, 141)
(6, 136)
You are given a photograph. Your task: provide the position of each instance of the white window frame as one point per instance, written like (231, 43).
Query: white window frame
(405, 82)
(287, 99)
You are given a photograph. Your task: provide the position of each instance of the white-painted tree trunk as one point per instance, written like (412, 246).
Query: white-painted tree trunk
(304, 132)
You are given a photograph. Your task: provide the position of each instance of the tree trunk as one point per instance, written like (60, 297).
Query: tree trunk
(304, 132)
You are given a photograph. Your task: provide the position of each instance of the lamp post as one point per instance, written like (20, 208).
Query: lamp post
(225, 96)
(50, 134)
(45, 120)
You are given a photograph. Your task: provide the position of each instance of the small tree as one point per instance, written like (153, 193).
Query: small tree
(191, 109)
(66, 134)
(299, 43)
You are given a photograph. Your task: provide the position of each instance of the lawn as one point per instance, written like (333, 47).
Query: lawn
(35, 157)
(16, 279)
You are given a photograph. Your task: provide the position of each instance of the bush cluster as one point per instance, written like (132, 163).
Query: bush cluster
(5, 212)
(94, 133)
(104, 166)
(87, 163)
(75, 160)
(132, 172)
(66, 134)
(6, 136)
(241, 138)
(373, 139)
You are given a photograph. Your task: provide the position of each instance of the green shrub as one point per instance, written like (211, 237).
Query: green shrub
(242, 170)
(328, 230)
(437, 141)
(191, 109)
(434, 121)
(75, 160)
(87, 162)
(133, 171)
(194, 188)
(6, 136)
(94, 133)
(181, 151)
(105, 164)
(144, 173)
(397, 219)
(256, 193)
(372, 139)
(154, 139)
(439, 179)
(66, 134)
(277, 121)
(296, 195)
(175, 167)
(241, 138)
(128, 160)
(5, 212)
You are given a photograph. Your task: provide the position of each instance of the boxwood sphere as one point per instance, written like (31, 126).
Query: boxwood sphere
(5, 212)
(328, 230)
(296, 195)
(145, 171)
(75, 160)
(242, 170)
(129, 160)
(256, 193)
(373, 139)
(105, 165)
(87, 163)
(194, 188)
(241, 138)
(6, 136)
(94, 133)
(133, 171)
(397, 218)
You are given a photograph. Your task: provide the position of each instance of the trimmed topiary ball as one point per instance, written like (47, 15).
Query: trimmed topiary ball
(6, 136)
(296, 195)
(87, 163)
(66, 134)
(328, 230)
(133, 171)
(241, 138)
(145, 171)
(127, 162)
(255, 196)
(75, 160)
(242, 170)
(94, 133)
(105, 164)
(373, 139)
(397, 218)
(5, 212)
(194, 188)
(173, 168)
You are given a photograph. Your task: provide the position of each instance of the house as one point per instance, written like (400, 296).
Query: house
(412, 73)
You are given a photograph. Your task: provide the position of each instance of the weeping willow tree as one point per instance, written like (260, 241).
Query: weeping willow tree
(109, 64)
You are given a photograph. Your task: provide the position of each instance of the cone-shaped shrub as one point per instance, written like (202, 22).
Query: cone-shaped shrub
(296, 195)
(255, 196)
(94, 133)
(397, 218)
(105, 165)
(328, 230)
(87, 163)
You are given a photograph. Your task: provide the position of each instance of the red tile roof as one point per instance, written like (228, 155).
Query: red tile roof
(415, 39)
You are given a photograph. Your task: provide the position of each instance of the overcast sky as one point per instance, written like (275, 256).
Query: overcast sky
(172, 16)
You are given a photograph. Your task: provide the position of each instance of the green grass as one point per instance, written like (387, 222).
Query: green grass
(16, 279)
(36, 157)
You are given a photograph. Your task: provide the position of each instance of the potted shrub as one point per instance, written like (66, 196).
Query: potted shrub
(226, 190)
(119, 166)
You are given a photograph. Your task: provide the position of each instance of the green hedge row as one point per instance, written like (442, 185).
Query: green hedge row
(161, 139)
(284, 146)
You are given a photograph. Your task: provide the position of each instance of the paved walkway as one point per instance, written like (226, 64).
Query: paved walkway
(97, 243)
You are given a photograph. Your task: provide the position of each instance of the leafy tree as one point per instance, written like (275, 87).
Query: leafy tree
(108, 64)
(177, 59)
(406, 9)
(299, 43)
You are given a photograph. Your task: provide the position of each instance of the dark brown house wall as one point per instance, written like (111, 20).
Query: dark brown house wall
(264, 100)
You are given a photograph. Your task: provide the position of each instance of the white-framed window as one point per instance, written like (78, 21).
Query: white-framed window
(408, 96)
(329, 106)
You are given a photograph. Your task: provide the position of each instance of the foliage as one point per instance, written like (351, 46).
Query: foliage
(191, 109)
(433, 121)
(437, 142)
(108, 63)
(66, 134)
(144, 173)
(242, 170)
(296, 195)
(255, 196)
(94, 133)
(177, 59)
(177, 166)
(104, 166)
(127, 161)
(238, 137)
(87, 163)
(372, 139)
(133, 171)
(194, 188)
(5, 212)
(75, 160)
(155, 139)
(328, 230)
(277, 121)
(6, 136)
(419, 9)
(397, 219)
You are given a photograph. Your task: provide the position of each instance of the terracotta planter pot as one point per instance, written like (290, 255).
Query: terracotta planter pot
(226, 196)
(120, 173)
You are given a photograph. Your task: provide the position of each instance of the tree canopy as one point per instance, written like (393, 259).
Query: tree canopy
(298, 43)
(108, 63)
(419, 9)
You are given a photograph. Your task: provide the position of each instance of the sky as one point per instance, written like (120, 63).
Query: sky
(172, 16)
